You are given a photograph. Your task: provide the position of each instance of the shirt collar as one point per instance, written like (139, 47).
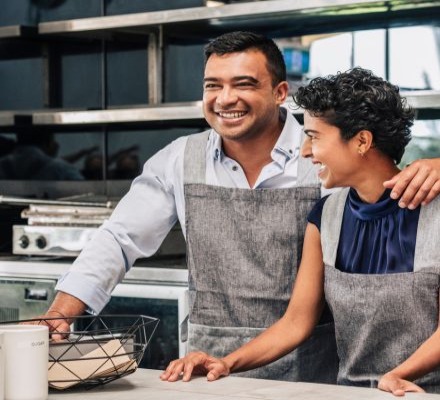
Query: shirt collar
(286, 147)
(289, 142)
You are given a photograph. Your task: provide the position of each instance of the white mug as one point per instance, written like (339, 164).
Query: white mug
(25, 354)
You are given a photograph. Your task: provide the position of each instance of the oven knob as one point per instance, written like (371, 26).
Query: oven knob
(40, 241)
(23, 241)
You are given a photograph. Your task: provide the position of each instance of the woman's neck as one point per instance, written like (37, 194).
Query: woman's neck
(370, 185)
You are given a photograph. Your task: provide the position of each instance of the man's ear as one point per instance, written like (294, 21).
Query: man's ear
(281, 91)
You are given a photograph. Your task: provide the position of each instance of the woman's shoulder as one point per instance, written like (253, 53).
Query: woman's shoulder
(314, 216)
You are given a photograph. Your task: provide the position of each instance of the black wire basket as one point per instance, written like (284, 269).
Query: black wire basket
(98, 350)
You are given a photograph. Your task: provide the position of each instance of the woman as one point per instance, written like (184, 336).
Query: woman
(377, 265)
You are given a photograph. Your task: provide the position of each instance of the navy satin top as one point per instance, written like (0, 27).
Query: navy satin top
(377, 238)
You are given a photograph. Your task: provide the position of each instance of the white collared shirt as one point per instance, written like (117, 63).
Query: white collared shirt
(155, 202)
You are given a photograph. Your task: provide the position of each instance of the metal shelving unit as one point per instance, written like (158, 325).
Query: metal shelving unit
(276, 17)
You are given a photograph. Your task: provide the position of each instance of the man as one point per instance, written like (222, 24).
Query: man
(243, 244)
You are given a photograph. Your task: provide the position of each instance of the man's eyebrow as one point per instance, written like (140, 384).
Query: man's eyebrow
(245, 78)
(310, 131)
(235, 79)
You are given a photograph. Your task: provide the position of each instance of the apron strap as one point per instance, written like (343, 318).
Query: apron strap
(427, 251)
(194, 162)
(331, 224)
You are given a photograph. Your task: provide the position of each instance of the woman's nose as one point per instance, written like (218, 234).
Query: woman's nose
(306, 147)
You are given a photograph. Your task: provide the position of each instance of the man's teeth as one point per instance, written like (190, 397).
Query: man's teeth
(231, 114)
(321, 167)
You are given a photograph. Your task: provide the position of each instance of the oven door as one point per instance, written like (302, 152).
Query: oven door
(23, 298)
(166, 302)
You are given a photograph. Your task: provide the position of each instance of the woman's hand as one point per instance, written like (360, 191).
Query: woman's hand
(195, 363)
(397, 386)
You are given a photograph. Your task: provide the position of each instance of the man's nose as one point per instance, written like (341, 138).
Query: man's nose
(226, 97)
(306, 147)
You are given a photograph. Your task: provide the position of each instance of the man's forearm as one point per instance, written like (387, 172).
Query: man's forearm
(66, 305)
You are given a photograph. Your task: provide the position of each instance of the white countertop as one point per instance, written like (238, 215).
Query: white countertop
(145, 384)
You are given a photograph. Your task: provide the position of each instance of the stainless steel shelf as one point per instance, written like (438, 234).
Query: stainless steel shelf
(273, 13)
(17, 31)
(422, 99)
(12, 118)
(166, 112)
(419, 100)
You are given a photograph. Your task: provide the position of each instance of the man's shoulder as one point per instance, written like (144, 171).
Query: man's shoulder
(178, 145)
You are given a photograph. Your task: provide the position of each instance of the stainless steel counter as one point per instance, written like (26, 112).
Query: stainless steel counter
(145, 384)
(156, 274)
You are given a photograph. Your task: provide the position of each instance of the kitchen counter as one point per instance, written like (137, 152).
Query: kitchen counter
(155, 271)
(145, 384)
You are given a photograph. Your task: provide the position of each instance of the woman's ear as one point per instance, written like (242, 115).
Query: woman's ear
(364, 141)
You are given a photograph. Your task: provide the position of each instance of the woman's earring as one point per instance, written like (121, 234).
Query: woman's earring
(361, 153)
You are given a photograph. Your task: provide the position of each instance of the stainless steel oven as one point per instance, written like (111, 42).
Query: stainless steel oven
(166, 302)
(28, 288)
(24, 298)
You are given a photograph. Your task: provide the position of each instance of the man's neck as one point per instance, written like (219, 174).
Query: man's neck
(253, 154)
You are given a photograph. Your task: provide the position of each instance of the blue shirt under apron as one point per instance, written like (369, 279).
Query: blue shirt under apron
(377, 238)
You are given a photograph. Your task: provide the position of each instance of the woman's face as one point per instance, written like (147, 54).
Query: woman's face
(337, 159)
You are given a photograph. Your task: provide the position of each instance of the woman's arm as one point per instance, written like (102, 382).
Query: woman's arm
(286, 334)
(425, 359)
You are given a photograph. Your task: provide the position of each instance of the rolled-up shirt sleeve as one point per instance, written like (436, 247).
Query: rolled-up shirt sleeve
(136, 229)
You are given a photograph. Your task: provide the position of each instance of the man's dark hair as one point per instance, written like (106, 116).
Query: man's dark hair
(235, 42)
(357, 100)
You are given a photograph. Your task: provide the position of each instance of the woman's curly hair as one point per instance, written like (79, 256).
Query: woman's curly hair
(356, 100)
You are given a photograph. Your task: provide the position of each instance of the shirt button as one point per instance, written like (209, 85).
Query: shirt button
(290, 151)
(234, 168)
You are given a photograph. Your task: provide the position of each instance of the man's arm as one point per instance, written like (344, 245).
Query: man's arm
(135, 230)
(418, 183)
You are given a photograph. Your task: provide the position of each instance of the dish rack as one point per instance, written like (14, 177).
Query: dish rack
(98, 350)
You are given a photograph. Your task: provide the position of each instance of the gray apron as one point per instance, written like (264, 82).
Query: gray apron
(382, 319)
(243, 248)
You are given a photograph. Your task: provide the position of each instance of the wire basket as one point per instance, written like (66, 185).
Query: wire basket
(98, 350)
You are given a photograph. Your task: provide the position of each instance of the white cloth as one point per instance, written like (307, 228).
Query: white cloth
(153, 204)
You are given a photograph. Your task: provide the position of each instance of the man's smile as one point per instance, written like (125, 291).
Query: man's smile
(231, 114)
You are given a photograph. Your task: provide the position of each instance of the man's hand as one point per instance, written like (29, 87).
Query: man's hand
(55, 324)
(61, 314)
(419, 183)
(197, 363)
(397, 386)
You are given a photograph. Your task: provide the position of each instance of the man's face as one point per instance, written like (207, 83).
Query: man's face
(239, 101)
